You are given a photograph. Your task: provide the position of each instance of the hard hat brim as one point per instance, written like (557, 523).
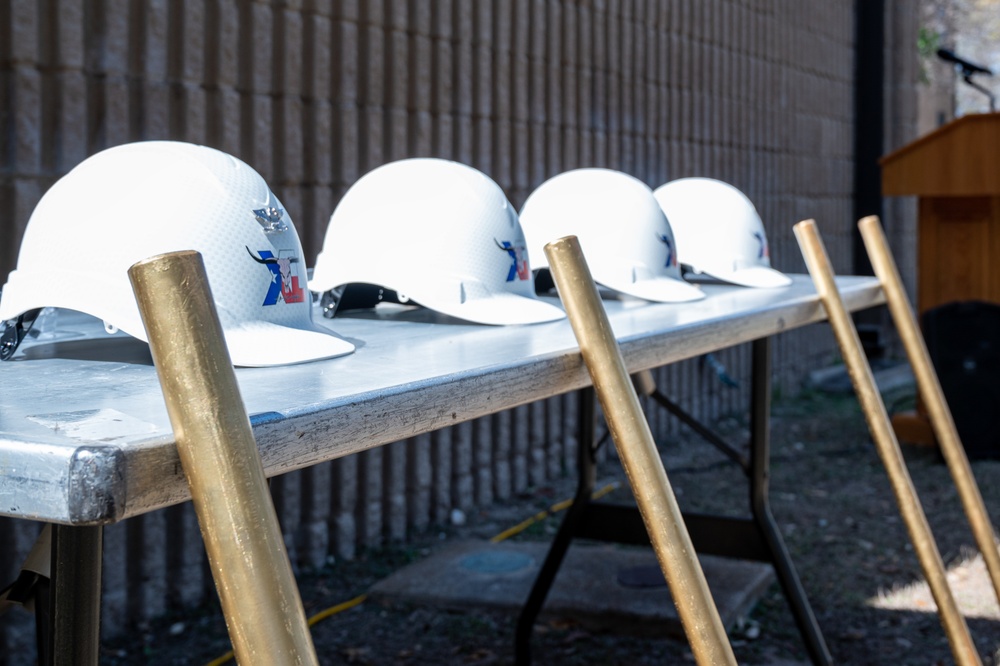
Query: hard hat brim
(502, 309)
(760, 277)
(661, 290)
(262, 344)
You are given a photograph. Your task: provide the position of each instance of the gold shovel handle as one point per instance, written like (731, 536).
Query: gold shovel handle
(932, 395)
(260, 599)
(637, 450)
(814, 252)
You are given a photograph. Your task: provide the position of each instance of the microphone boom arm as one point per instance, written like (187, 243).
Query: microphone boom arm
(993, 102)
(967, 69)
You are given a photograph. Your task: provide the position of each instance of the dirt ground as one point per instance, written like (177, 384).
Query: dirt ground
(831, 498)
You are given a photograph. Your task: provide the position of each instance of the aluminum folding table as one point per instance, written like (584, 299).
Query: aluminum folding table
(85, 440)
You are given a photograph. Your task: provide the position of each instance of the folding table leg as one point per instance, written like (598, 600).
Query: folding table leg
(772, 547)
(567, 530)
(75, 597)
(760, 454)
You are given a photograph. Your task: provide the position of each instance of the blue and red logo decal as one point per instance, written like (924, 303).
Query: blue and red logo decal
(671, 255)
(284, 285)
(762, 250)
(519, 260)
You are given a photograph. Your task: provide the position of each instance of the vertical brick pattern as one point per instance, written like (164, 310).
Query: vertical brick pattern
(315, 94)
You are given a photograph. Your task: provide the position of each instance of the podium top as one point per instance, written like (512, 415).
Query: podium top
(961, 158)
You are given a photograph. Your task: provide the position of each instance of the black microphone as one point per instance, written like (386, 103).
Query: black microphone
(968, 68)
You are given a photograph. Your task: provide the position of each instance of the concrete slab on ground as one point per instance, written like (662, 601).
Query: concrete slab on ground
(889, 376)
(601, 585)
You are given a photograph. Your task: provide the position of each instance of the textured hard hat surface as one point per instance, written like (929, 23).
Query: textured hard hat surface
(625, 237)
(438, 232)
(718, 231)
(139, 200)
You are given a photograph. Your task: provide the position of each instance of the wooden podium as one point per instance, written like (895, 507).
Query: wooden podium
(955, 172)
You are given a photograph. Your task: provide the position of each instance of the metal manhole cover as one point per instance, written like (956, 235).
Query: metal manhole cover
(641, 576)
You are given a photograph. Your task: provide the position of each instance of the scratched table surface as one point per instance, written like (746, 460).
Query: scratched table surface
(85, 438)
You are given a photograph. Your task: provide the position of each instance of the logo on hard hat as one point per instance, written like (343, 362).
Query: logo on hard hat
(519, 260)
(284, 286)
(762, 251)
(671, 257)
(270, 220)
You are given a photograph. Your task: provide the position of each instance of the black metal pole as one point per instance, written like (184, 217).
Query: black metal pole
(869, 120)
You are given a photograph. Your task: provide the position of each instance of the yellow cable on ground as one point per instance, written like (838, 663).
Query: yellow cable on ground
(542, 515)
(506, 534)
(333, 610)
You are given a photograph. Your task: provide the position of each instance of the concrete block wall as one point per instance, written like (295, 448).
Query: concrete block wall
(315, 93)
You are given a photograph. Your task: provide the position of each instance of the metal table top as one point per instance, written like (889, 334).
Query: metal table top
(85, 438)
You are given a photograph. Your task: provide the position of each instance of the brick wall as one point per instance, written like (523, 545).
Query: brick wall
(314, 94)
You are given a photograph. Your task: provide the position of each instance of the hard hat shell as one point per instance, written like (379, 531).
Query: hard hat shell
(719, 232)
(627, 241)
(137, 200)
(439, 233)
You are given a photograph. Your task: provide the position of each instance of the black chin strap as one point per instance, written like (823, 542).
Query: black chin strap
(14, 331)
(355, 296)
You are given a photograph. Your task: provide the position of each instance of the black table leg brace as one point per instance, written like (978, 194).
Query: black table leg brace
(756, 538)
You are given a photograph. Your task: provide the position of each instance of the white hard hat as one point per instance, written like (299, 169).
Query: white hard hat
(134, 201)
(625, 237)
(439, 233)
(719, 232)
